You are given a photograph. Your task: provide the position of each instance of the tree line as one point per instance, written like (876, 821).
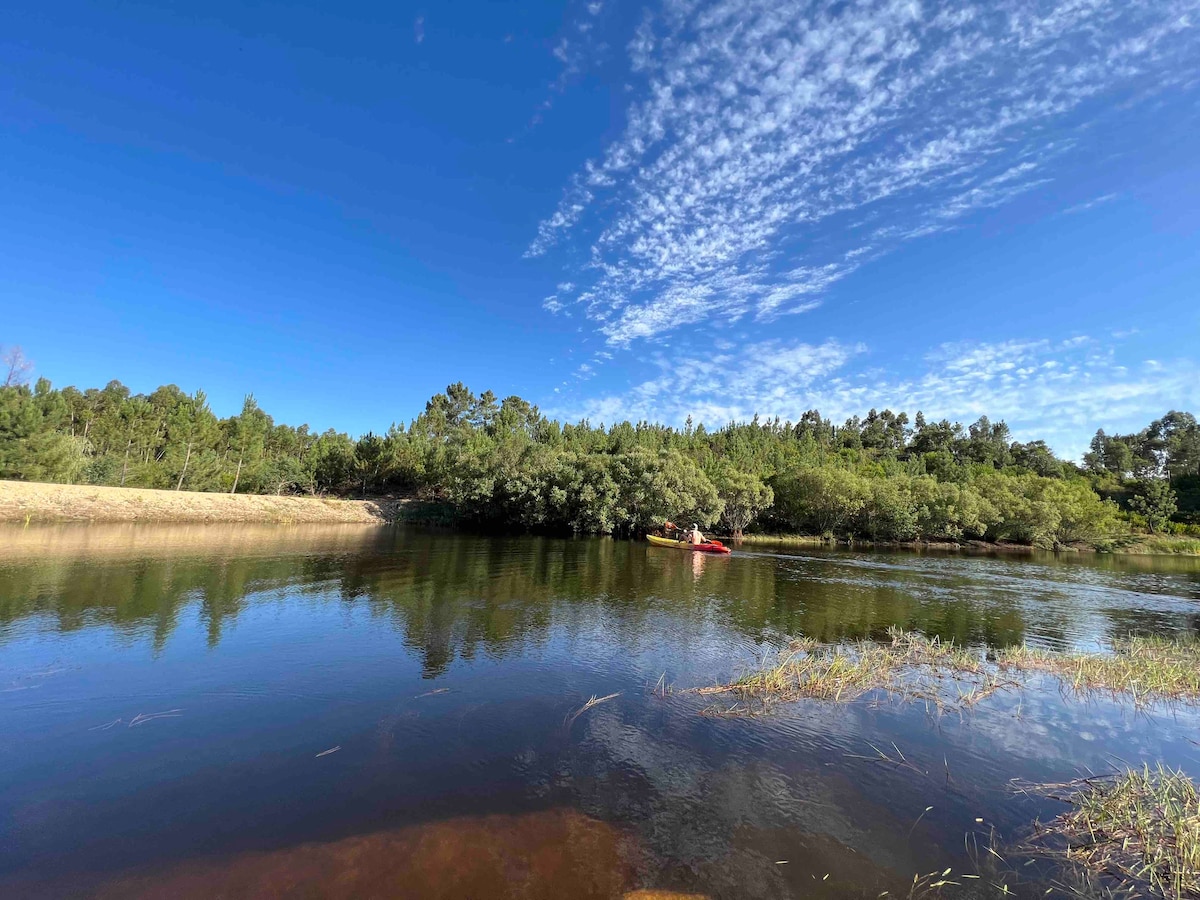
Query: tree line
(503, 464)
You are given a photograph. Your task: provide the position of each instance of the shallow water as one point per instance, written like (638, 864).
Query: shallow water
(169, 698)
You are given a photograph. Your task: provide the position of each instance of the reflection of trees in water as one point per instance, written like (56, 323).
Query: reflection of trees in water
(457, 595)
(134, 596)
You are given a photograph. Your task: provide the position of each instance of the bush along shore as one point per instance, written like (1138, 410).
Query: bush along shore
(502, 464)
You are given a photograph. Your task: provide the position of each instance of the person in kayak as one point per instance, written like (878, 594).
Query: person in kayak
(695, 537)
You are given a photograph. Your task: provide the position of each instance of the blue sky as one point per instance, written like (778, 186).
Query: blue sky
(613, 209)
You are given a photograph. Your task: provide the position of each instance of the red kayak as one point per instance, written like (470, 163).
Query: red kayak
(708, 546)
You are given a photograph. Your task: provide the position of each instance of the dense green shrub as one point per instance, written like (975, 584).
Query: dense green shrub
(501, 463)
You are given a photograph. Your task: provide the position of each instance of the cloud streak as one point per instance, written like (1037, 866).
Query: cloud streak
(774, 146)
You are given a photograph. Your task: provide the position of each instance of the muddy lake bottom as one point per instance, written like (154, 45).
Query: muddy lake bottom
(243, 711)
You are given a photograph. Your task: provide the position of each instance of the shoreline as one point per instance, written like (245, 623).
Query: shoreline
(1137, 545)
(43, 503)
(28, 502)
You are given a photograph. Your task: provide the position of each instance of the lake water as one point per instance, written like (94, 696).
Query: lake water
(357, 712)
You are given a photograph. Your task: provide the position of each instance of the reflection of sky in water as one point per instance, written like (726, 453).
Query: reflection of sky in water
(815, 768)
(446, 668)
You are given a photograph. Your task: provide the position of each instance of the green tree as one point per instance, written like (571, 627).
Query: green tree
(888, 511)
(247, 438)
(820, 500)
(1155, 501)
(743, 496)
(140, 431)
(191, 428)
(1037, 457)
(330, 463)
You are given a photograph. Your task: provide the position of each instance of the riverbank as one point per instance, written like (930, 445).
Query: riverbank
(1134, 545)
(29, 502)
(25, 502)
(1163, 544)
(811, 540)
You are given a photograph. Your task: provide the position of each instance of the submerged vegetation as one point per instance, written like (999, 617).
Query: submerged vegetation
(945, 675)
(503, 464)
(1138, 829)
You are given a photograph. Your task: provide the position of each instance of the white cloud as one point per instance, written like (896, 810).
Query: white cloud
(1059, 391)
(1090, 204)
(775, 145)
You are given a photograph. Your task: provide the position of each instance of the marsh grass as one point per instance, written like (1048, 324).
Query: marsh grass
(948, 676)
(1148, 669)
(797, 540)
(1138, 829)
(1157, 544)
(910, 666)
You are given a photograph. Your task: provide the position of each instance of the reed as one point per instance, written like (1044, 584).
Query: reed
(1139, 829)
(785, 539)
(1149, 669)
(1172, 544)
(592, 701)
(910, 666)
(947, 675)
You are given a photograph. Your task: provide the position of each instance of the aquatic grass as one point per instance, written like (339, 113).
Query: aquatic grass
(947, 675)
(1139, 828)
(930, 884)
(911, 666)
(592, 701)
(784, 539)
(1147, 668)
(1160, 544)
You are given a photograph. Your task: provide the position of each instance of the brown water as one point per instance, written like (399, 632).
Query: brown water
(169, 698)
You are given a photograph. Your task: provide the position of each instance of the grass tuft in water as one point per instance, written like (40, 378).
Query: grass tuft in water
(949, 676)
(1139, 828)
(911, 666)
(1147, 668)
(592, 701)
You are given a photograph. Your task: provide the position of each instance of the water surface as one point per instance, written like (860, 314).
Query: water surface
(169, 697)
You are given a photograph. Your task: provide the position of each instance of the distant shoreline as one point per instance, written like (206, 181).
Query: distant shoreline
(1136, 545)
(29, 503)
(25, 502)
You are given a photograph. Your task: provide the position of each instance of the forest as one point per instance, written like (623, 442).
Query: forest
(492, 463)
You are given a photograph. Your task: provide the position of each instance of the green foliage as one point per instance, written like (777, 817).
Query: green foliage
(743, 496)
(1046, 512)
(533, 486)
(1167, 448)
(889, 513)
(1155, 501)
(503, 464)
(820, 500)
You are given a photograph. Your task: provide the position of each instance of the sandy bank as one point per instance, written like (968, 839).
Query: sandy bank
(22, 501)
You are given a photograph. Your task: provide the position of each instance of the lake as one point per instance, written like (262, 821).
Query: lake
(364, 712)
